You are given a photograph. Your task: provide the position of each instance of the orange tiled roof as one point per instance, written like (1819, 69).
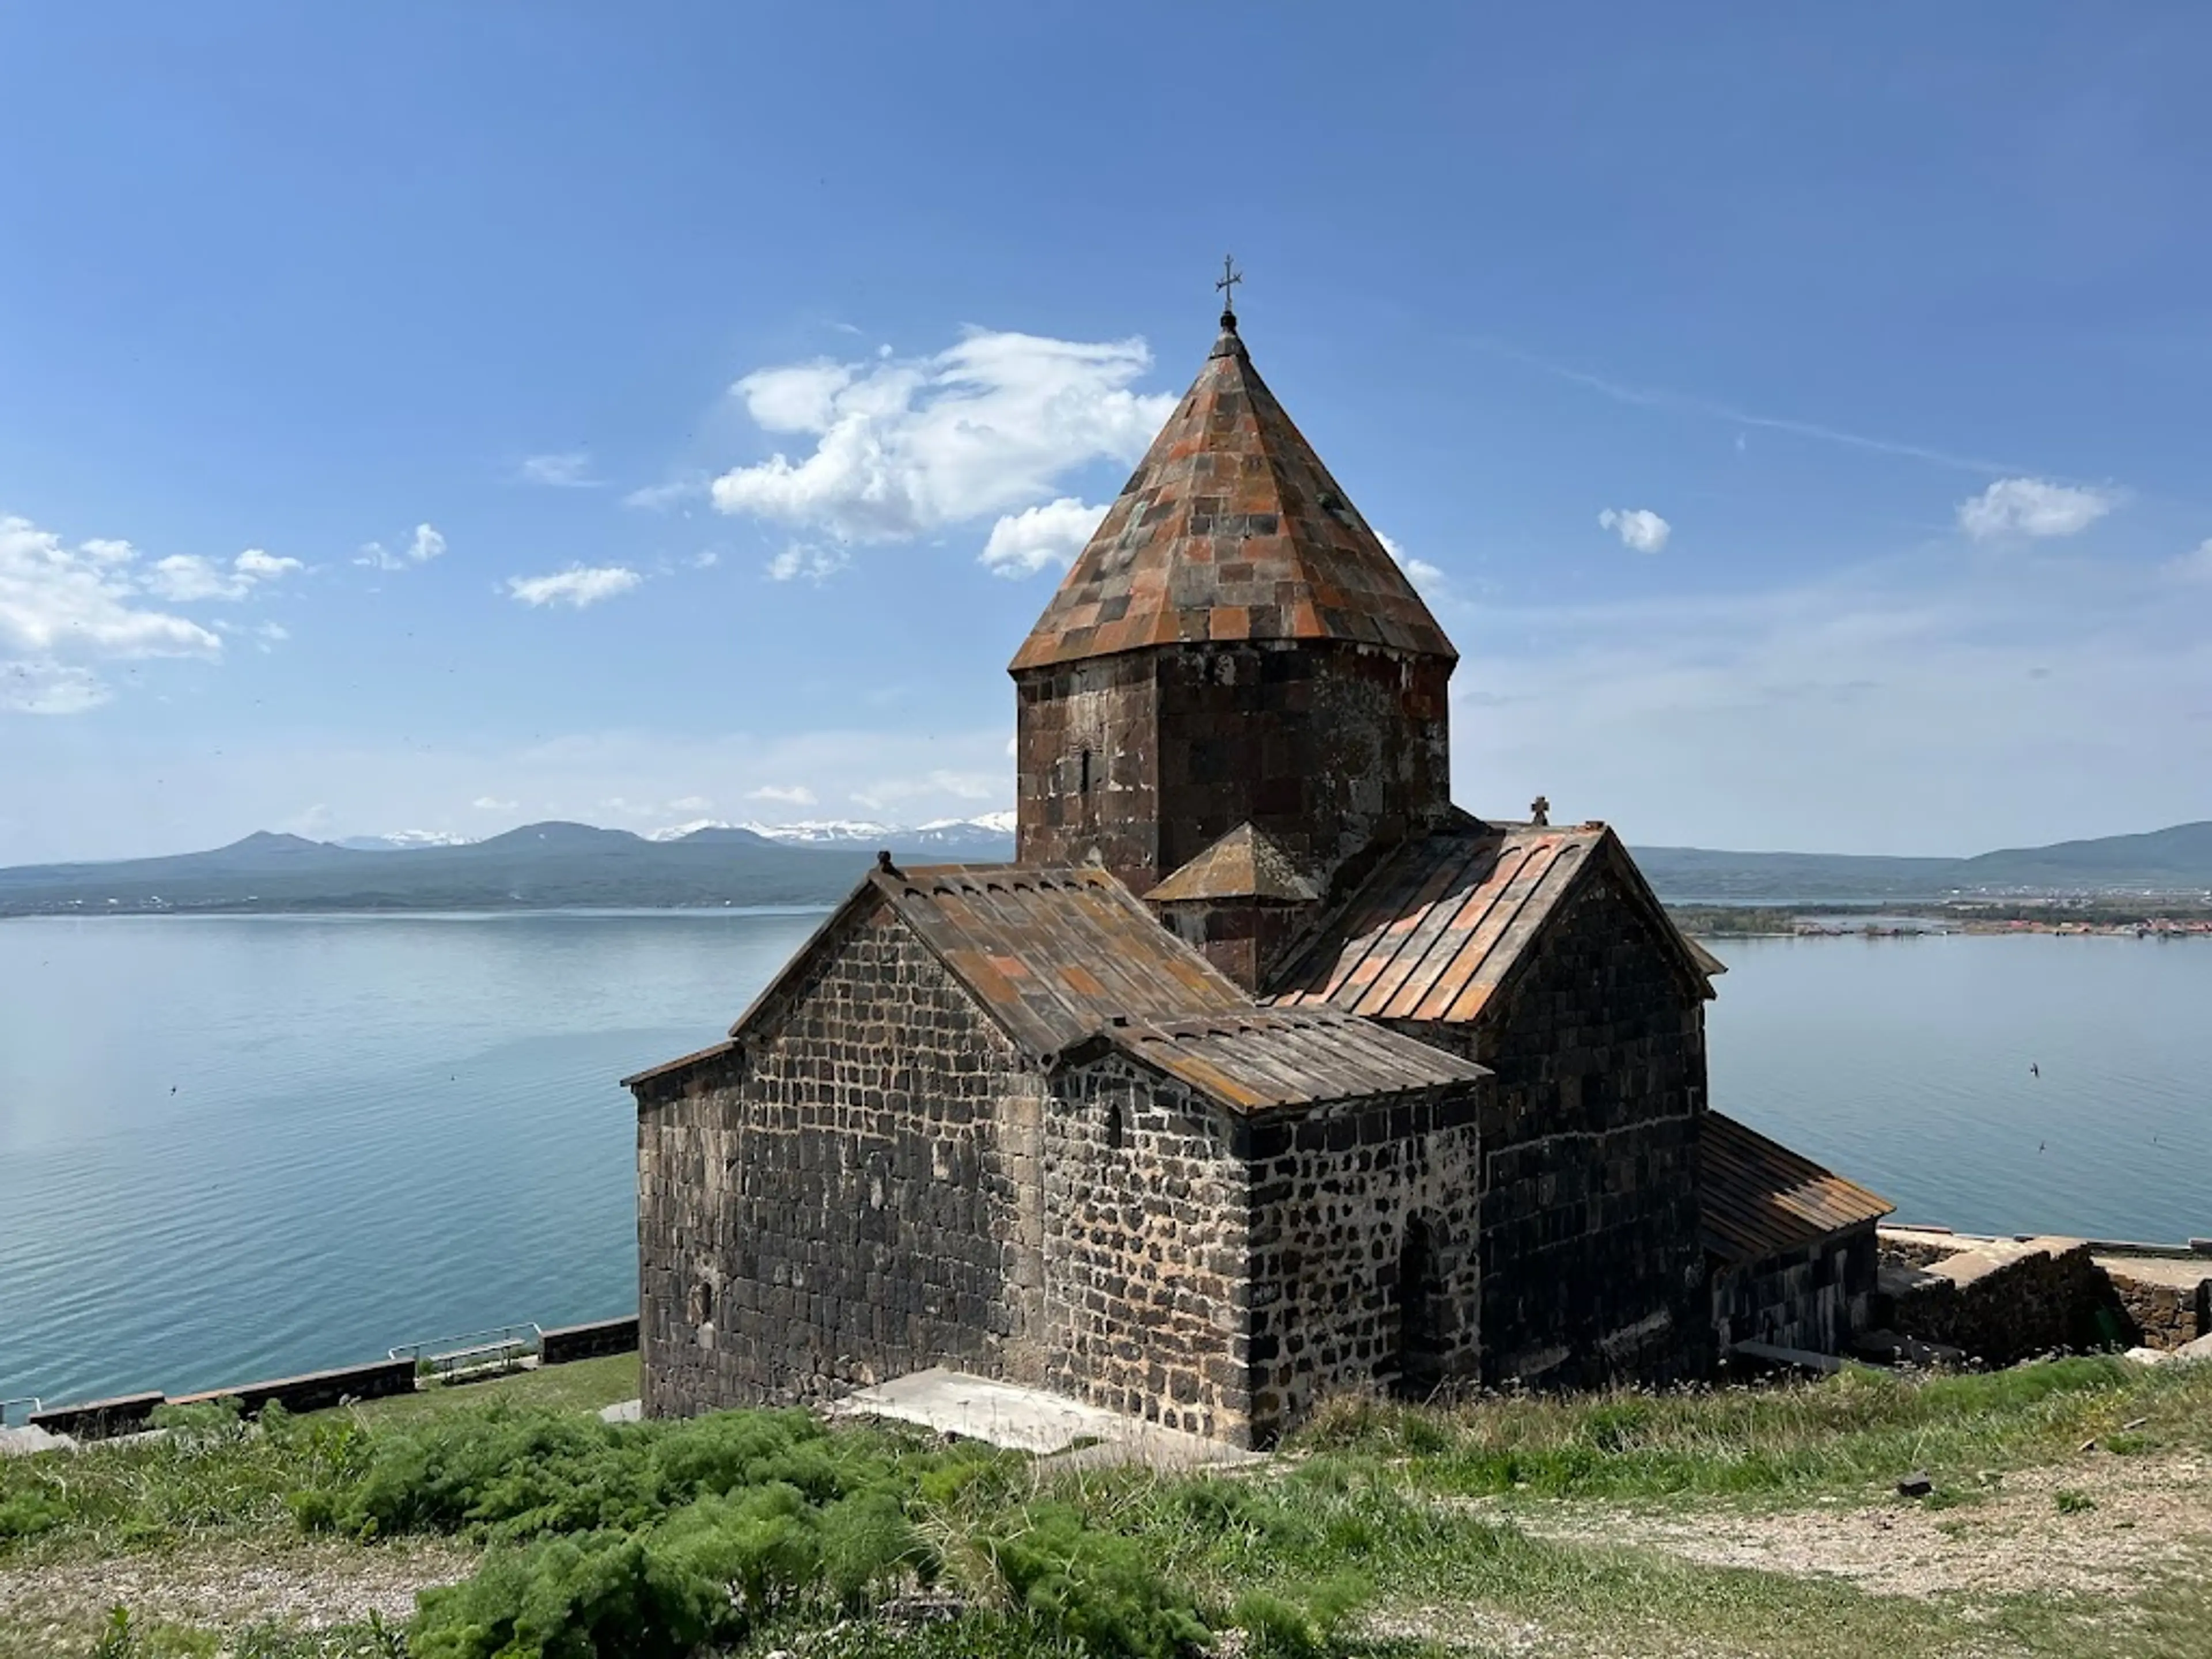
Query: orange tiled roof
(1230, 529)
(1446, 919)
(1243, 864)
(1436, 929)
(1757, 1197)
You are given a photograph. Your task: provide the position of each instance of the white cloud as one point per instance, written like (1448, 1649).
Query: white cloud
(185, 577)
(1640, 529)
(2033, 506)
(909, 444)
(706, 561)
(1427, 577)
(492, 803)
(1022, 544)
(783, 794)
(816, 564)
(577, 586)
(63, 606)
(424, 546)
(2192, 567)
(568, 470)
(49, 688)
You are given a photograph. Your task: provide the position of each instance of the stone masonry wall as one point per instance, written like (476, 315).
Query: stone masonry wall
(1108, 708)
(1145, 1298)
(2164, 1314)
(1593, 1270)
(1812, 1298)
(855, 1195)
(1327, 747)
(2003, 1301)
(1365, 1273)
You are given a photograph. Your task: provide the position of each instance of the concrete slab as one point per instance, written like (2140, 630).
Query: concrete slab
(1031, 1420)
(21, 1443)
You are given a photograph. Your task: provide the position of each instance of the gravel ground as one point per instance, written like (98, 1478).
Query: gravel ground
(313, 1583)
(2150, 1515)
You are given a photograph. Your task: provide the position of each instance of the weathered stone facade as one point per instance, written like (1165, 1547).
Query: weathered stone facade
(1147, 1225)
(1815, 1298)
(854, 1194)
(1588, 1183)
(1148, 758)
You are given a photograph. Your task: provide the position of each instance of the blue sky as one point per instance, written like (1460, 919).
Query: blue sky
(1795, 415)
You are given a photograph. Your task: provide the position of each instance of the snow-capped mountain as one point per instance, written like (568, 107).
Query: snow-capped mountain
(825, 832)
(980, 840)
(402, 841)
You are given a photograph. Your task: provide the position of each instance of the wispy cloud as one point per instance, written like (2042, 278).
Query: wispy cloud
(185, 577)
(1713, 408)
(783, 794)
(814, 564)
(576, 587)
(1640, 529)
(424, 546)
(569, 469)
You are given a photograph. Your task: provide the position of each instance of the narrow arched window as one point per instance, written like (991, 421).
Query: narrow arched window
(1114, 1125)
(1085, 787)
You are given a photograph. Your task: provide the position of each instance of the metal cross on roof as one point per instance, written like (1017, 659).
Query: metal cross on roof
(1227, 285)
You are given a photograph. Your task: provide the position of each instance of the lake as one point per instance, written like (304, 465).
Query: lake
(238, 1147)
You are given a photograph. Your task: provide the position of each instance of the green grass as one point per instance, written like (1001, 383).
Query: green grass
(580, 1385)
(764, 1530)
(1857, 1432)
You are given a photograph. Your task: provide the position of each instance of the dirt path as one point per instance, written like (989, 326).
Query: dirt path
(2123, 1521)
(226, 1585)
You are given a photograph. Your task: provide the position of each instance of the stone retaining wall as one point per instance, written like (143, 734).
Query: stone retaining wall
(2165, 1315)
(564, 1343)
(2003, 1303)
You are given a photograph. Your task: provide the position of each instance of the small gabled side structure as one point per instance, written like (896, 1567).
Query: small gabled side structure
(1791, 1245)
(1238, 904)
(1540, 952)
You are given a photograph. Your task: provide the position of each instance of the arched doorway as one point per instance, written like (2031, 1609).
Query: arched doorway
(1420, 1297)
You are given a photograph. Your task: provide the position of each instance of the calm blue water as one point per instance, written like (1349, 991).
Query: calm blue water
(239, 1147)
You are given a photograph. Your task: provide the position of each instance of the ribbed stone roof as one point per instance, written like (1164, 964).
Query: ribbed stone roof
(1230, 529)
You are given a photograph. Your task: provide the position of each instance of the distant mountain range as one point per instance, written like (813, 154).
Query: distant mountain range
(549, 866)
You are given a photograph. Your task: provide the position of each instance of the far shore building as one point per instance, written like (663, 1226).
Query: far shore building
(1264, 1070)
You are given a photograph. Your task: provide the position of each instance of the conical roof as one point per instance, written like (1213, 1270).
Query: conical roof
(1230, 529)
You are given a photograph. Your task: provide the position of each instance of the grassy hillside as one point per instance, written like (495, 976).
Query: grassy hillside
(2069, 1515)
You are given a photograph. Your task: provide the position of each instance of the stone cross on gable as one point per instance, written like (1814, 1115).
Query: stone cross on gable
(1540, 812)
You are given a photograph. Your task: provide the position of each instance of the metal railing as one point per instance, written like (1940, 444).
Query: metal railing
(8, 1406)
(494, 1345)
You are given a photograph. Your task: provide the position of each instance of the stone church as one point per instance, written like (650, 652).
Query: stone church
(1264, 1070)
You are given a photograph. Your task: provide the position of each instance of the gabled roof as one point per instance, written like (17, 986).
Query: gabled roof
(1446, 920)
(1757, 1199)
(1051, 954)
(1243, 864)
(1262, 1059)
(1230, 529)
